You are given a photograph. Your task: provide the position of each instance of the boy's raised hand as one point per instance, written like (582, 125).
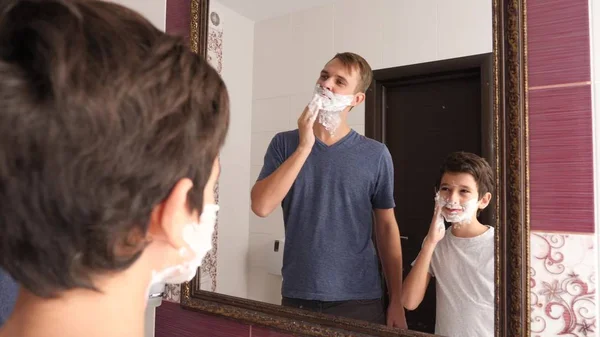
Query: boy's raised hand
(437, 229)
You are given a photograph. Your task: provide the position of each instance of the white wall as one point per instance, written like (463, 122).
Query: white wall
(153, 10)
(290, 51)
(234, 185)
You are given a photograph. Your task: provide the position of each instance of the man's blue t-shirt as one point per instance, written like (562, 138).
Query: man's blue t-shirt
(329, 254)
(9, 289)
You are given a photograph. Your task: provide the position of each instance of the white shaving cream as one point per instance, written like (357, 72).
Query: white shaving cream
(467, 211)
(329, 107)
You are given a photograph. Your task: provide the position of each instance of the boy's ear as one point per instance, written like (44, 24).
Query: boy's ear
(485, 200)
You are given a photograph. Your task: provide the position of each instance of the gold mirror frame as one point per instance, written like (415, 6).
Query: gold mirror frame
(512, 201)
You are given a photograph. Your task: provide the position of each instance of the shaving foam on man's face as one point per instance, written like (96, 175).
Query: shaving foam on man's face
(329, 106)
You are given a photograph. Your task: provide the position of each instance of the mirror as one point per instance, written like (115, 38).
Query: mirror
(414, 49)
(317, 249)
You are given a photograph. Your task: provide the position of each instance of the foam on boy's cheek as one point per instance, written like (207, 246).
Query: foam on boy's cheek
(467, 210)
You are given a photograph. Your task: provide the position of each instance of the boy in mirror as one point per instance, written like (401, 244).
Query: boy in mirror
(460, 258)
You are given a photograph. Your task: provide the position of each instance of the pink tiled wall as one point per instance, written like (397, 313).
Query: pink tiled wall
(560, 110)
(558, 42)
(561, 168)
(178, 17)
(563, 242)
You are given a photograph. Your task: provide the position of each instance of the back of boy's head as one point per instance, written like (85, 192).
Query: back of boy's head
(466, 162)
(102, 114)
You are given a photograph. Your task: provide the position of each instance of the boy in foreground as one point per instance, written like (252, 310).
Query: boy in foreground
(460, 258)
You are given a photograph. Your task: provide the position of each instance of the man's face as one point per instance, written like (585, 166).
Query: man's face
(338, 79)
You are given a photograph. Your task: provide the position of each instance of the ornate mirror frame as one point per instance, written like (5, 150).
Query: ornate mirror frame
(510, 120)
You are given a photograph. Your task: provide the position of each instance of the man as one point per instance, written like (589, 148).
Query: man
(330, 181)
(9, 289)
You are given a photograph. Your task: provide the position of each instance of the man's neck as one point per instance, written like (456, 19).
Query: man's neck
(326, 137)
(118, 311)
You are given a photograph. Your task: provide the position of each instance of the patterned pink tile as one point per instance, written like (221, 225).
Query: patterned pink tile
(173, 321)
(561, 160)
(214, 54)
(563, 285)
(558, 41)
(256, 331)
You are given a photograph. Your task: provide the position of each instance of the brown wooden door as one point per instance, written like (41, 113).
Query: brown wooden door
(422, 117)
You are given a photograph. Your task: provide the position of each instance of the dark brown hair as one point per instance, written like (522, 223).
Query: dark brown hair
(356, 62)
(102, 114)
(465, 162)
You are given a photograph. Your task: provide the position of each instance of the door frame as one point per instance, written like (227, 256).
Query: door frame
(382, 78)
(375, 109)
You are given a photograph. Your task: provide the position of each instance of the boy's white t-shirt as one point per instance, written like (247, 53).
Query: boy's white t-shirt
(464, 279)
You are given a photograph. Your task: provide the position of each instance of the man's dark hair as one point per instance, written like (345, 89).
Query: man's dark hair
(465, 162)
(102, 114)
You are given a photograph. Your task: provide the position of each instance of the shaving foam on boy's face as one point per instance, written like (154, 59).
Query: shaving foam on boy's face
(329, 107)
(456, 212)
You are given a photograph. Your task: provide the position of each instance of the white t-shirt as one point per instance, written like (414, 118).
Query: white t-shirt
(464, 282)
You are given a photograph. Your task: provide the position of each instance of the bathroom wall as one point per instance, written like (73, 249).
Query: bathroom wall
(290, 51)
(234, 186)
(230, 35)
(564, 202)
(153, 10)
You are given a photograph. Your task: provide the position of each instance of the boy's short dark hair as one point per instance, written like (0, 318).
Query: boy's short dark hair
(102, 114)
(465, 162)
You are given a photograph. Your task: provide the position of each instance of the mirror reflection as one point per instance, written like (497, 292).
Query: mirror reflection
(371, 189)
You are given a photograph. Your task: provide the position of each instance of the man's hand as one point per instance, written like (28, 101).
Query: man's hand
(306, 122)
(395, 315)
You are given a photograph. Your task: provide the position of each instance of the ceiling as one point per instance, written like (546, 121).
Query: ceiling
(257, 10)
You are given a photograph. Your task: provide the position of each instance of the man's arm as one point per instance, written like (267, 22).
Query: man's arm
(267, 193)
(388, 243)
(390, 251)
(387, 235)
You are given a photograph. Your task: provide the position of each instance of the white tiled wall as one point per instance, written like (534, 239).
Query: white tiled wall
(154, 10)
(234, 187)
(290, 51)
